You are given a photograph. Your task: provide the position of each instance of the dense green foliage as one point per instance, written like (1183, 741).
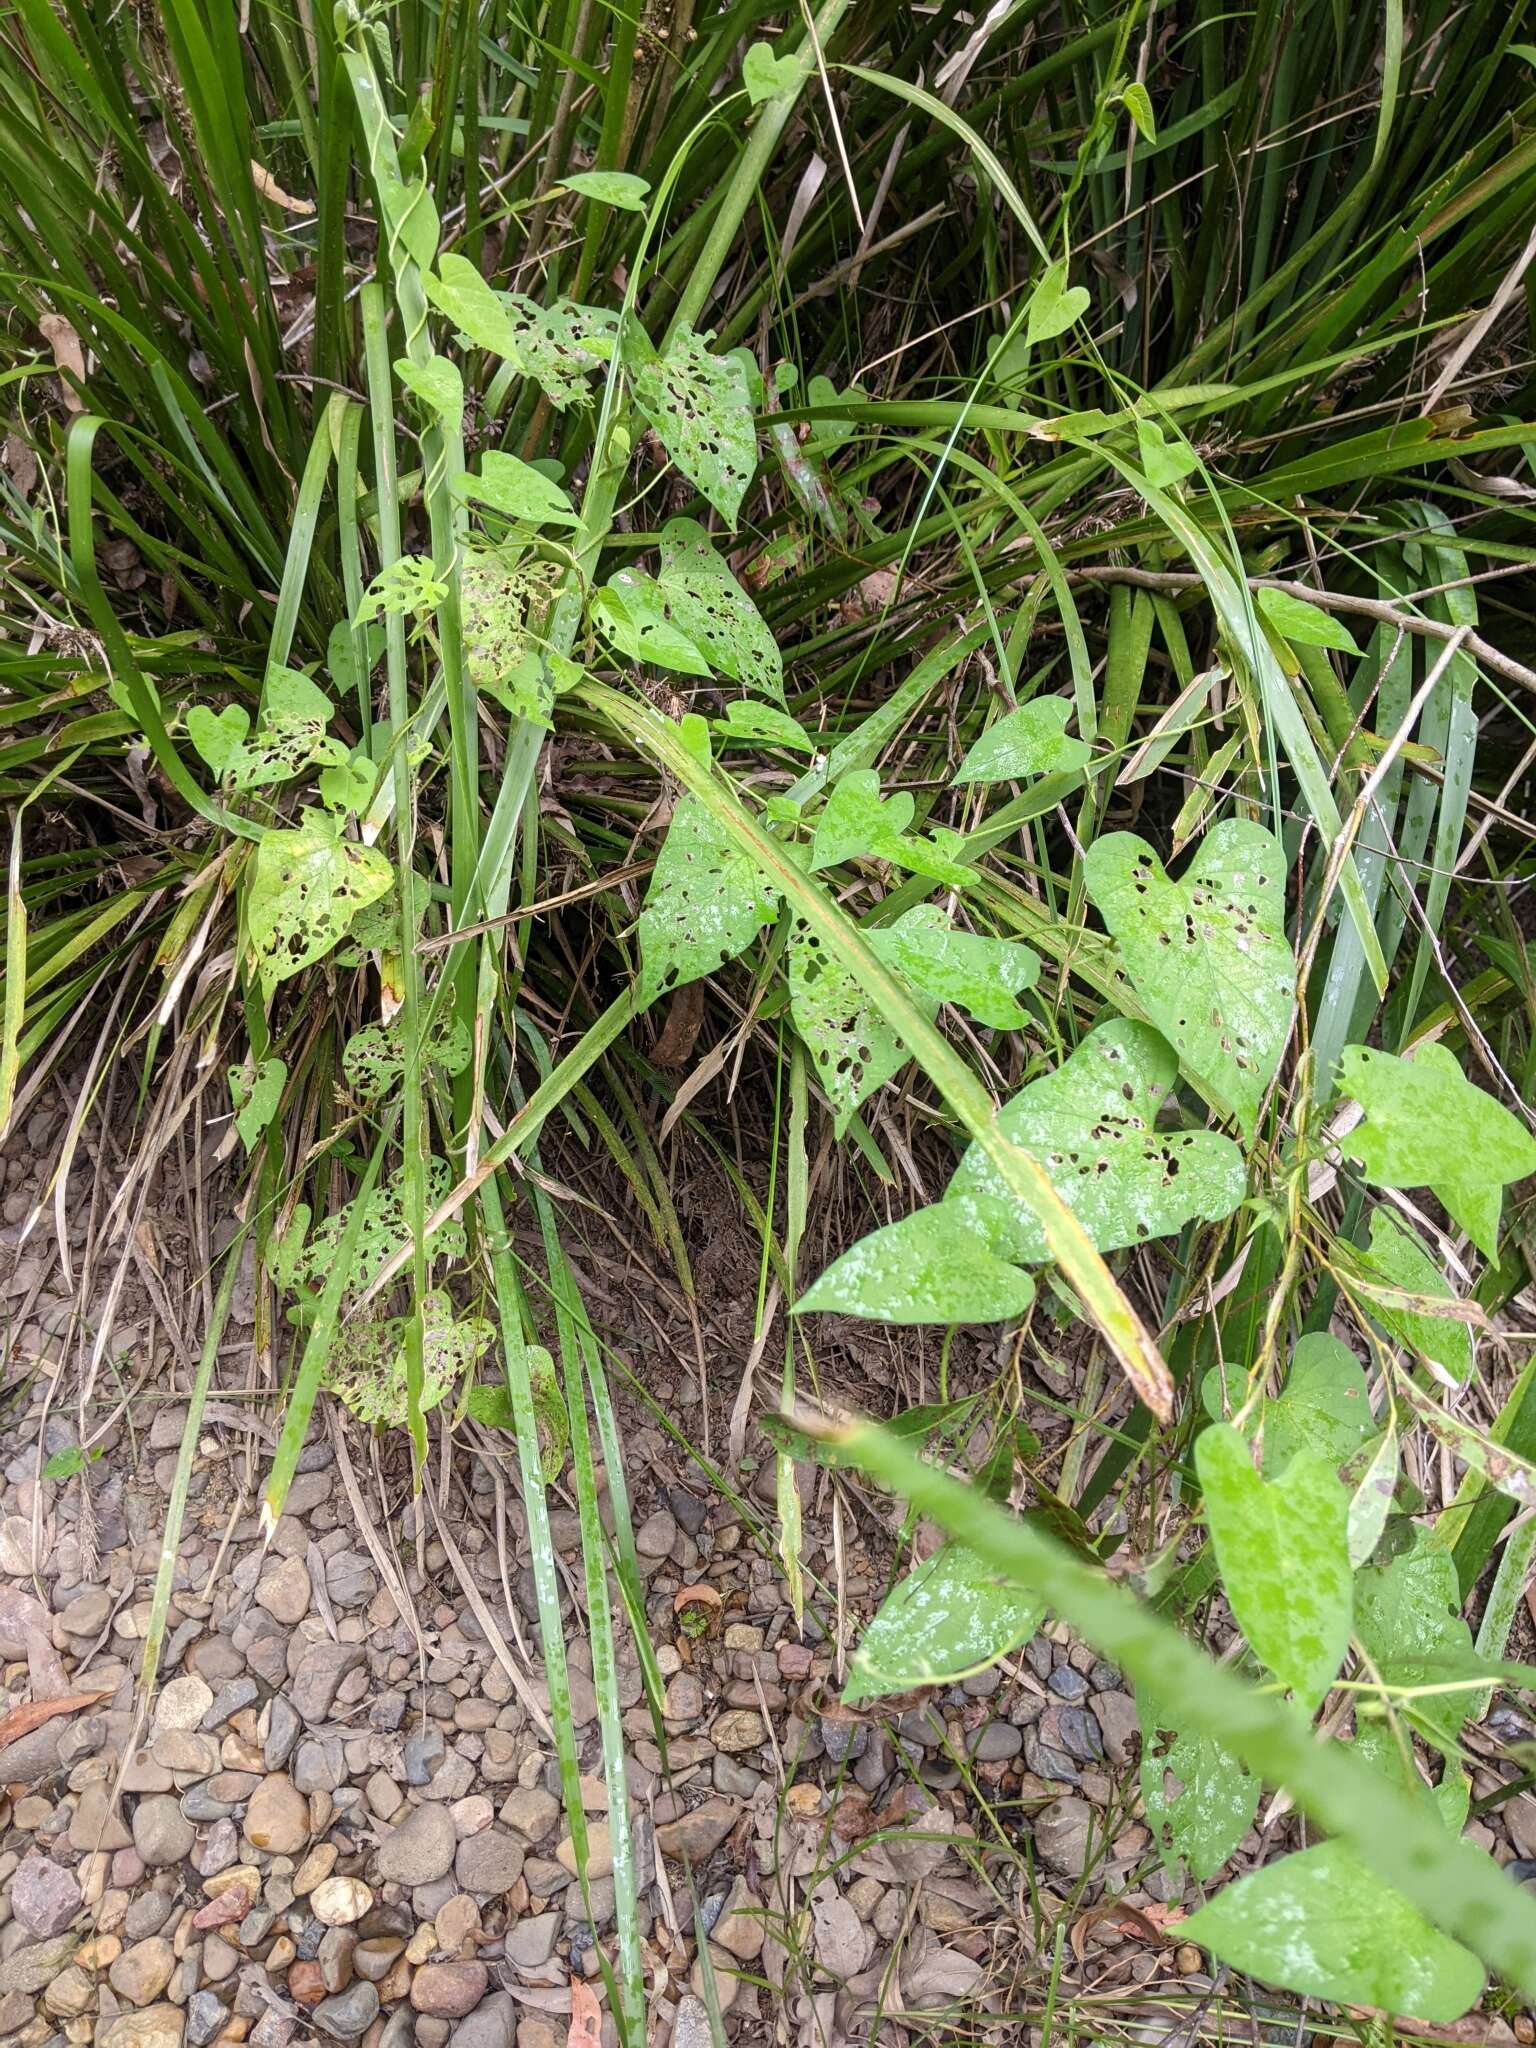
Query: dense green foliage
(1013, 526)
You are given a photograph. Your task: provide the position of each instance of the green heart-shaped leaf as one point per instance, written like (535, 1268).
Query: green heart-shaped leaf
(1322, 1924)
(1207, 954)
(1426, 1125)
(1283, 1549)
(934, 1266)
(1397, 1256)
(1033, 740)
(707, 902)
(982, 975)
(950, 1616)
(218, 735)
(857, 819)
(1054, 305)
(1092, 1125)
(1199, 1800)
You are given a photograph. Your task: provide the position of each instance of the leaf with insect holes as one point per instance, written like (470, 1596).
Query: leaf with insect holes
(748, 723)
(767, 77)
(1054, 305)
(1294, 618)
(350, 784)
(1427, 1125)
(950, 1616)
(408, 587)
(1199, 1800)
(290, 737)
(366, 1369)
(1283, 1549)
(851, 1046)
(693, 616)
(504, 607)
(385, 1231)
(1408, 1619)
(609, 188)
(1397, 1256)
(932, 1267)
(255, 1095)
(492, 1407)
(373, 1059)
(1323, 1406)
(699, 407)
(1092, 1124)
(559, 346)
(707, 902)
(1322, 1924)
(304, 888)
(983, 976)
(1033, 740)
(1207, 955)
(517, 490)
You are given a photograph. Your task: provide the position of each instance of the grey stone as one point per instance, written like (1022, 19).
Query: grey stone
(1068, 1684)
(282, 1733)
(489, 1863)
(45, 1897)
(230, 1698)
(32, 1758)
(1061, 1832)
(161, 1831)
(531, 1940)
(492, 2024)
(319, 1673)
(37, 1964)
(421, 1849)
(319, 1765)
(423, 1747)
(205, 2017)
(691, 2028)
(996, 1742)
(350, 2013)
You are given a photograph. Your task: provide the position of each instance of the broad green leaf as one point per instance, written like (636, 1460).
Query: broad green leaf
(290, 737)
(1054, 305)
(699, 407)
(1323, 1406)
(1426, 1125)
(1408, 1620)
(1137, 102)
(983, 976)
(934, 1266)
(373, 1059)
(827, 435)
(462, 295)
(72, 1459)
(947, 1618)
(630, 612)
(366, 1370)
(1199, 1800)
(256, 1096)
(752, 723)
(492, 1406)
(852, 1047)
(1307, 624)
(1207, 954)
(219, 736)
(706, 903)
(517, 490)
(1164, 462)
(504, 603)
(349, 785)
(1398, 1257)
(304, 888)
(857, 819)
(438, 384)
(609, 188)
(559, 346)
(695, 596)
(1283, 1549)
(1321, 1924)
(1092, 1125)
(1033, 740)
(767, 77)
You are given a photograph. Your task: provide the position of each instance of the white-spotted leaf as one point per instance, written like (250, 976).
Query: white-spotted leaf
(949, 1617)
(1199, 1800)
(707, 902)
(1322, 1924)
(1030, 741)
(695, 596)
(255, 1093)
(933, 1267)
(1323, 1406)
(982, 975)
(1092, 1125)
(1207, 955)
(1408, 1618)
(1426, 1125)
(852, 1047)
(366, 1370)
(1283, 1549)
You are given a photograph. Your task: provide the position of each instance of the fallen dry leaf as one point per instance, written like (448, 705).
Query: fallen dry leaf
(586, 2028)
(67, 354)
(269, 188)
(22, 1720)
